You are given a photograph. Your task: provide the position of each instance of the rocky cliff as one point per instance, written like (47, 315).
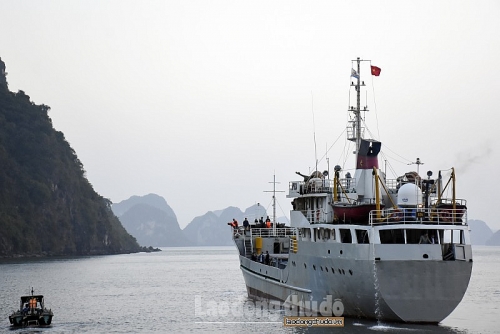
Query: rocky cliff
(47, 205)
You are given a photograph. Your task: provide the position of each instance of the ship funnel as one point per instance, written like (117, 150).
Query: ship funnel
(367, 154)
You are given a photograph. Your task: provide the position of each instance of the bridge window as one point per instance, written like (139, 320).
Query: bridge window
(362, 236)
(392, 236)
(413, 235)
(345, 236)
(453, 236)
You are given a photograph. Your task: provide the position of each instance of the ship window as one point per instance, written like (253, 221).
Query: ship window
(307, 233)
(362, 236)
(392, 236)
(433, 235)
(277, 248)
(345, 236)
(453, 236)
(413, 235)
(333, 234)
(440, 233)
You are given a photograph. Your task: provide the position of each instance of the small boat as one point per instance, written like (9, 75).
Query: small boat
(32, 312)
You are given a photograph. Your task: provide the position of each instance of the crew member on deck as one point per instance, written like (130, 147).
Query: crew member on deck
(268, 222)
(233, 224)
(424, 239)
(246, 224)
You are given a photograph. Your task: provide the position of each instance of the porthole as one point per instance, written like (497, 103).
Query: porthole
(305, 265)
(314, 266)
(326, 268)
(426, 256)
(341, 252)
(350, 272)
(321, 268)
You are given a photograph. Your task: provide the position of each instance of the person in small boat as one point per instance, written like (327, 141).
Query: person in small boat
(424, 239)
(25, 308)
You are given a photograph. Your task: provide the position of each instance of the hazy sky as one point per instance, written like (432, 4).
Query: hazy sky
(201, 102)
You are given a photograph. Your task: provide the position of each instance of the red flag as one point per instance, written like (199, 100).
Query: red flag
(375, 70)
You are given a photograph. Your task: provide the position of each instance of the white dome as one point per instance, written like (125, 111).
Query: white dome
(409, 195)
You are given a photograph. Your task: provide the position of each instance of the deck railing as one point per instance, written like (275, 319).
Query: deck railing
(438, 216)
(268, 232)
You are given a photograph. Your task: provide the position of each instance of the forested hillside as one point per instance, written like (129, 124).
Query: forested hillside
(47, 205)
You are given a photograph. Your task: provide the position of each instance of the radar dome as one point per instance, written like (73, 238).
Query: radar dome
(409, 195)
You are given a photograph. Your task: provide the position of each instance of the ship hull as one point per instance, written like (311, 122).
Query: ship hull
(420, 291)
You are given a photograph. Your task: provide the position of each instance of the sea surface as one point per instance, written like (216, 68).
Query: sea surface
(198, 290)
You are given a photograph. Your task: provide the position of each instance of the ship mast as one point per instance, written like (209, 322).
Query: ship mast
(355, 133)
(274, 191)
(357, 112)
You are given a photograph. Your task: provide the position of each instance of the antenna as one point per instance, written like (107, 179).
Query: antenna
(314, 133)
(274, 191)
(418, 163)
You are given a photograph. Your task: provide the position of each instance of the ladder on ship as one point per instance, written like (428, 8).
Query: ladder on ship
(248, 247)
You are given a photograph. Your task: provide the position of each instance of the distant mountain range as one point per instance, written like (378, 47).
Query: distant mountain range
(153, 222)
(481, 234)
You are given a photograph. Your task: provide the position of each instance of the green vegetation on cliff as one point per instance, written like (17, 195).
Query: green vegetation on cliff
(47, 205)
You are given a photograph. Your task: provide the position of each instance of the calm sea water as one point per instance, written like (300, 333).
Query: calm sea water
(197, 290)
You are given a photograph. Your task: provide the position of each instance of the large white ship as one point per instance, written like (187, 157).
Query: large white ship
(387, 249)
